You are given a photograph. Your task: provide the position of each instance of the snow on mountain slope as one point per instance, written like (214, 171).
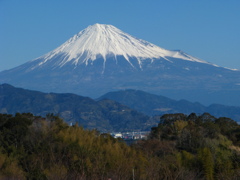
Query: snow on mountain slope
(102, 58)
(103, 41)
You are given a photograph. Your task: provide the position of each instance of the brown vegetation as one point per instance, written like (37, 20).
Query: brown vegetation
(180, 147)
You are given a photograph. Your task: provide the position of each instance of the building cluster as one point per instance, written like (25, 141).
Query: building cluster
(131, 135)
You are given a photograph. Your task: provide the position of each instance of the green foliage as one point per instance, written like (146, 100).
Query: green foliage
(180, 147)
(186, 159)
(205, 158)
(39, 148)
(205, 146)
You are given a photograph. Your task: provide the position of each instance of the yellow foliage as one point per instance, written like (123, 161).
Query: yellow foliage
(206, 158)
(12, 170)
(185, 159)
(2, 160)
(179, 125)
(56, 172)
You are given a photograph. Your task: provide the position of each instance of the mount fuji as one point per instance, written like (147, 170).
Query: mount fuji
(102, 58)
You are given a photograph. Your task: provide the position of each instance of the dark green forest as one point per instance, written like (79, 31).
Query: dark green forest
(181, 147)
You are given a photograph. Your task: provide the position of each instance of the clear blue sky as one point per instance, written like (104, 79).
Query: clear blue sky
(207, 29)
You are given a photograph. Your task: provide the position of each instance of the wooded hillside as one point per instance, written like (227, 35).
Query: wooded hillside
(180, 147)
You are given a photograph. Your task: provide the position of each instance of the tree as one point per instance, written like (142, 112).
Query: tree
(206, 160)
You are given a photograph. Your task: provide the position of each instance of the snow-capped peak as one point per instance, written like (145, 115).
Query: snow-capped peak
(101, 40)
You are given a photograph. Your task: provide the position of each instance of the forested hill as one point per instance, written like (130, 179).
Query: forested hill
(127, 110)
(180, 147)
(105, 115)
(151, 104)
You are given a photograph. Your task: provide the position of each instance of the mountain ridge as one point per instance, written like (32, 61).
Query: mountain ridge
(115, 110)
(174, 74)
(104, 115)
(152, 104)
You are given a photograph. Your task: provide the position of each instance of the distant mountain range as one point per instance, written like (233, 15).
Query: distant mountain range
(151, 104)
(115, 111)
(105, 115)
(102, 58)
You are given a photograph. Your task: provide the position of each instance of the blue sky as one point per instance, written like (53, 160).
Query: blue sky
(207, 29)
